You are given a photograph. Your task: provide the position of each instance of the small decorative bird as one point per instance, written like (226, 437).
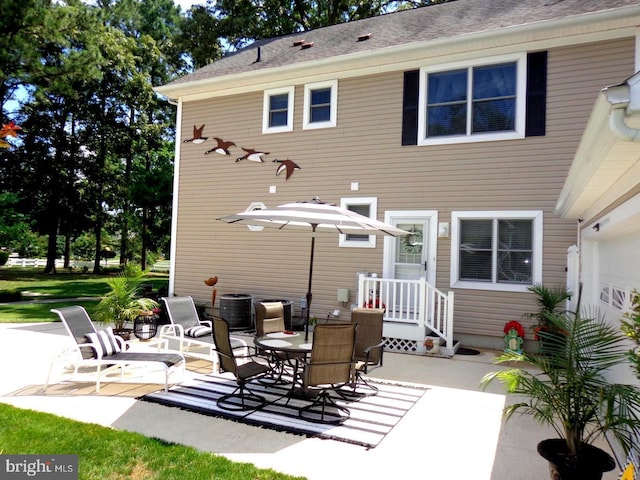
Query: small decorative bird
(253, 155)
(222, 148)
(197, 135)
(286, 165)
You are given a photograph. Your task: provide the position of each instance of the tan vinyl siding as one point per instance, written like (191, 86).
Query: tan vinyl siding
(365, 147)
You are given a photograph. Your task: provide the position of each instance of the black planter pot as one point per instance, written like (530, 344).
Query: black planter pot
(591, 464)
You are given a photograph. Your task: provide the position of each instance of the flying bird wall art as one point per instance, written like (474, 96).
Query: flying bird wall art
(287, 166)
(222, 147)
(197, 136)
(252, 155)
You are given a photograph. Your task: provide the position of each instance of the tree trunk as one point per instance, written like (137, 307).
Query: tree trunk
(50, 268)
(143, 253)
(97, 228)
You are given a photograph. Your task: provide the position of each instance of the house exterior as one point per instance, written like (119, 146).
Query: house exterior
(458, 122)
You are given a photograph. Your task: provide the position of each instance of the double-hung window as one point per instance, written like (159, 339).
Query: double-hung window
(479, 102)
(278, 110)
(320, 105)
(367, 206)
(496, 250)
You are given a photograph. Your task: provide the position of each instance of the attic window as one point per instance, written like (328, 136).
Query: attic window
(306, 45)
(297, 43)
(364, 36)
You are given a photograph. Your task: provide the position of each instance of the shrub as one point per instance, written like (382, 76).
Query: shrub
(4, 256)
(10, 295)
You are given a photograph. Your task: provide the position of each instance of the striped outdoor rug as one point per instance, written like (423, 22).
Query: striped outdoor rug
(372, 417)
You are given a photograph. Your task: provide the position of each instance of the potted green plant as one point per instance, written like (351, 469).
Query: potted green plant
(550, 300)
(123, 302)
(564, 385)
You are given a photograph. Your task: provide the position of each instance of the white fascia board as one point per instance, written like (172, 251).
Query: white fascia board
(605, 166)
(600, 26)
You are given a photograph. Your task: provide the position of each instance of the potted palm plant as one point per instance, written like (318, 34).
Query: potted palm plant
(123, 302)
(550, 301)
(564, 385)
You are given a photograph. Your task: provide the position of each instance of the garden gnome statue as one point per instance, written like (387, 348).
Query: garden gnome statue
(514, 337)
(211, 281)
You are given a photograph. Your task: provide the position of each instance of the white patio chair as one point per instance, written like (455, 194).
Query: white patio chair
(194, 336)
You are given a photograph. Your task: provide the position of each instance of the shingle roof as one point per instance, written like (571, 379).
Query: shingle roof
(448, 20)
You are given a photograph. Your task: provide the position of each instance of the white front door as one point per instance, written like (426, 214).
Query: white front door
(412, 256)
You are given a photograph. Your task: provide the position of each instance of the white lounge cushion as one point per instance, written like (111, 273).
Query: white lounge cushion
(104, 341)
(198, 331)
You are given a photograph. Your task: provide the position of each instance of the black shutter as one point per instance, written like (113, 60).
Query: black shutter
(410, 107)
(536, 94)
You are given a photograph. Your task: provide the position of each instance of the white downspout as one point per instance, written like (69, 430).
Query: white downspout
(620, 128)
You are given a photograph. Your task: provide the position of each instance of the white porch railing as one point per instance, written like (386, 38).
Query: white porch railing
(413, 308)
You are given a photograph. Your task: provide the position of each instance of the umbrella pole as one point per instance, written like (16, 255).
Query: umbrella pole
(309, 295)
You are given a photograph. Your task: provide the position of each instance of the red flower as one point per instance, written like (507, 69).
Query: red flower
(514, 325)
(378, 304)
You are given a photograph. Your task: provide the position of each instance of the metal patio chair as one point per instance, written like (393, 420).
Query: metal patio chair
(330, 367)
(244, 371)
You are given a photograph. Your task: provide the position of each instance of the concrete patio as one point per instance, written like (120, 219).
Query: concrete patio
(454, 432)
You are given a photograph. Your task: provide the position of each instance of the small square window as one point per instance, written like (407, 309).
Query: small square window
(366, 206)
(320, 105)
(278, 110)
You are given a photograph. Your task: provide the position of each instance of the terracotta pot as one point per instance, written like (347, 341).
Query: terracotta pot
(590, 465)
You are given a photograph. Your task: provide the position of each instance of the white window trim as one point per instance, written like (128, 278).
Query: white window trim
(266, 107)
(535, 215)
(521, 100)
(373, 213)
(333, 121)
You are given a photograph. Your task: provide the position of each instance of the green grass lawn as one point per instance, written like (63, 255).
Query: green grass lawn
(106, 453)
(35, 285)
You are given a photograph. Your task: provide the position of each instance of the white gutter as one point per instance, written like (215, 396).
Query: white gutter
(625, 100)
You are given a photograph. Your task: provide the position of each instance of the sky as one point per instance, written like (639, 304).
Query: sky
(186, 4)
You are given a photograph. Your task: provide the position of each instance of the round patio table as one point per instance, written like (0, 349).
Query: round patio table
(292, 346)
(284, 342)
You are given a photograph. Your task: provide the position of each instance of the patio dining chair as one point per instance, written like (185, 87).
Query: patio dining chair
(192, 334)
(244, 369)
(329, 368)
(105, 351)
(270, 319)
(368, 350)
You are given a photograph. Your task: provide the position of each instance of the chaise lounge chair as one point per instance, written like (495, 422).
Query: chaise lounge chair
(103, 350)
(194, 336)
